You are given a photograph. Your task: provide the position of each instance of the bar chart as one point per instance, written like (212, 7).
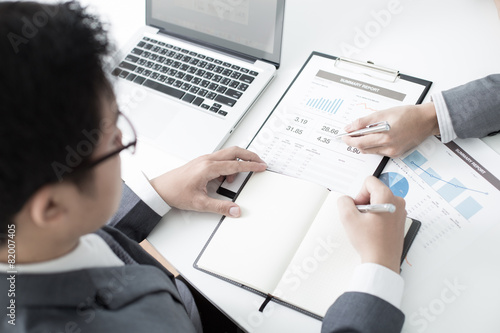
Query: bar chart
(451, 189)
(325, 104)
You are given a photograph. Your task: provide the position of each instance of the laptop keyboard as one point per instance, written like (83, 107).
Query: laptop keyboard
(192, 77)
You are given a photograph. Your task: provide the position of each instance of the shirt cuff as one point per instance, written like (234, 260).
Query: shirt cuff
(378, 280)
(145, 191)
(444, 120)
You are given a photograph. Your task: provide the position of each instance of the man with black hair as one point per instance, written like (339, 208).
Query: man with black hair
(60, 182)
(69, 258)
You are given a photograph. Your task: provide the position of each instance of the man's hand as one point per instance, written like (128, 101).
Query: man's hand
(186, 186)
(378, 237)
(410, 125)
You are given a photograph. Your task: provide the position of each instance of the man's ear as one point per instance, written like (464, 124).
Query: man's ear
(45, 209)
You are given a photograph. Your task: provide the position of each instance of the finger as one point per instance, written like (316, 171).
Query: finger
(222, 207)
(376, 144)
(368, 141)
(234, 153)
(230, 178)
(361, 122)
(400, 204)
(347, 209)
(223, 168)
(379, 192)
(363, 197)
(371, 192)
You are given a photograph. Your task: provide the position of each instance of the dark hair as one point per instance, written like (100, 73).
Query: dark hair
(52, 85)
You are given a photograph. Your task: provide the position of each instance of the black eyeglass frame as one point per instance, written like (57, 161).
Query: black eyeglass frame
(91, 164)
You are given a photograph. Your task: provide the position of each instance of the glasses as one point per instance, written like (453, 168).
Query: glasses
(128, 142)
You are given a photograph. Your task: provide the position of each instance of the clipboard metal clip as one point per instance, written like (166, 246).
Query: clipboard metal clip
(368, 68)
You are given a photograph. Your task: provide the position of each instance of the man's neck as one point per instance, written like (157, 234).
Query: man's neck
(21, 251)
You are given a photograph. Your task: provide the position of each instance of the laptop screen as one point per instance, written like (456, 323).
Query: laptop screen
(246, 27)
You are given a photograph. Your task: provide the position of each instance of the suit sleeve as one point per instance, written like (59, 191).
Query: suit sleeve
(134, 217)
(475, 107)
(357, 312)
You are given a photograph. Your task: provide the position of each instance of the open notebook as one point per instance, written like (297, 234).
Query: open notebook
(289, 244)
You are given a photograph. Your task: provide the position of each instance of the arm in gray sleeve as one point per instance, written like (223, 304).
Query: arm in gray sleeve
(134, 217)
(475, 107)
(357, 312)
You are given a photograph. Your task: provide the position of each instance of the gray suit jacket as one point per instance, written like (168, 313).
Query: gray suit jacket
(475, 107)
(138, 297)
(355, 312)
(141, 296)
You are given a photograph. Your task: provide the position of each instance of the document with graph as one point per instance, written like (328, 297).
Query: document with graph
(297, 139)
(454, 189)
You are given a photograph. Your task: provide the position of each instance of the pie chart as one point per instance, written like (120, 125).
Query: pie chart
(396, 182)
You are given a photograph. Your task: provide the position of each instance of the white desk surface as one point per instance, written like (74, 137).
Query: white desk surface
(449, 42)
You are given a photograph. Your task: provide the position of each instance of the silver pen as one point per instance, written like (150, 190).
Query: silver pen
(382, 126)
(378, 208)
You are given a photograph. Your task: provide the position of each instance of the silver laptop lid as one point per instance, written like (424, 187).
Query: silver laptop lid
(247, 28)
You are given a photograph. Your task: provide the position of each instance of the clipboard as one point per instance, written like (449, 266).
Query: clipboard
(353, 84)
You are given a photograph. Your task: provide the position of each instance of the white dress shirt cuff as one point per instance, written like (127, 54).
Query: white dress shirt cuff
(444, 120)
(379, 281)
(145, 191)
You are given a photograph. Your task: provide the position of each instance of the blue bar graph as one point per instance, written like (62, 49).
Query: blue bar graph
(324, 104)
(430, 176)
(414, 160)
(451, 190)
(469, 207)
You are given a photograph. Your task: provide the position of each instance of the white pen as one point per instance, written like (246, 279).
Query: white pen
(378, 208)
(382, 126)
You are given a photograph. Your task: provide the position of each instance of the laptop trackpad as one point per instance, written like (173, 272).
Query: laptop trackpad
(151, 115)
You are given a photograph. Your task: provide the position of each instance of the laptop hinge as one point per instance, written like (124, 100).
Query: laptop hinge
(229, 52)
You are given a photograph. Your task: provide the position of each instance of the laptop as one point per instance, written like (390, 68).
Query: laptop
(187, 79)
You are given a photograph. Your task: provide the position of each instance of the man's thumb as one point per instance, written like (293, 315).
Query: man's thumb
(223, 207)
